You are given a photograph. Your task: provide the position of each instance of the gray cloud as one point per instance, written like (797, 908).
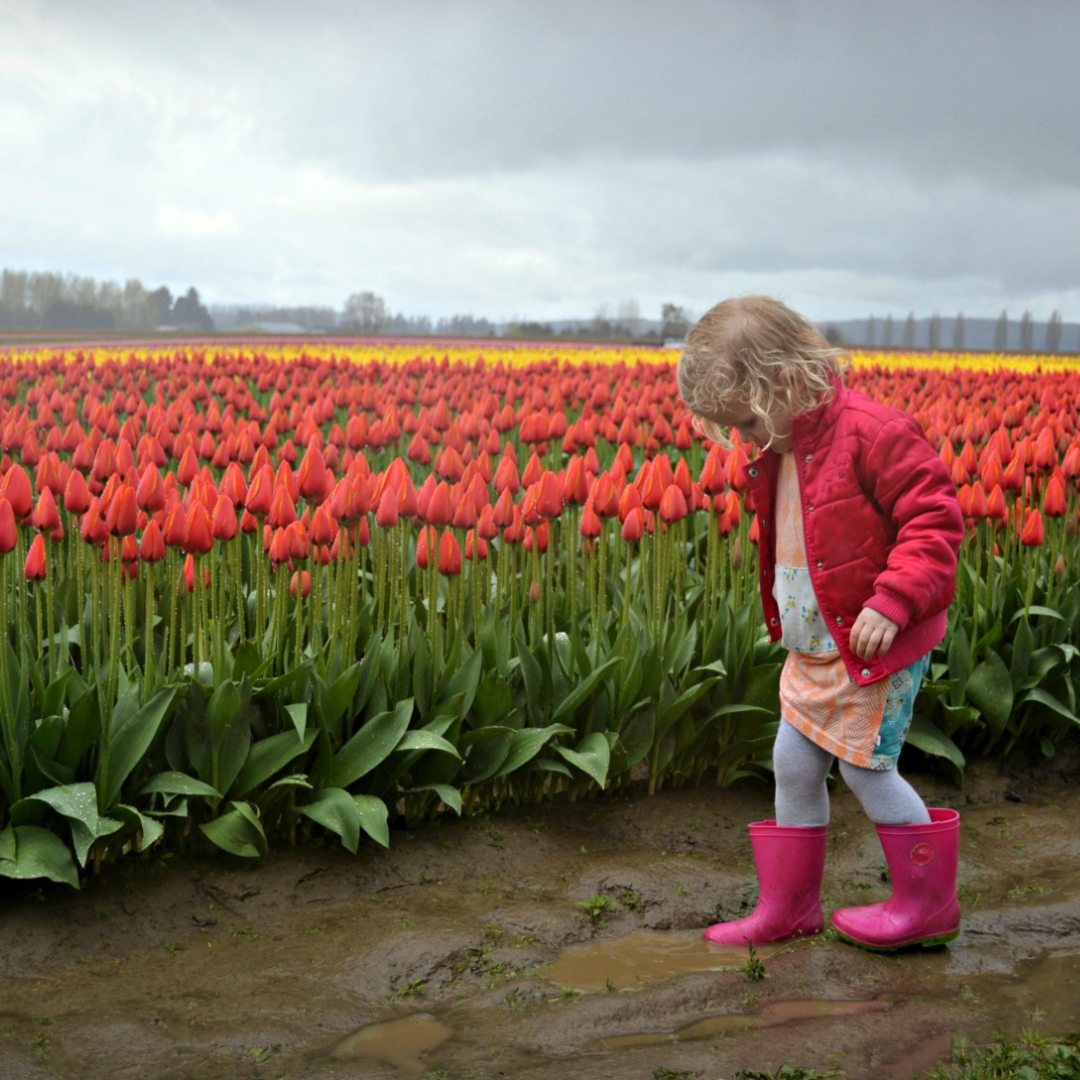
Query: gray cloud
(517, 158)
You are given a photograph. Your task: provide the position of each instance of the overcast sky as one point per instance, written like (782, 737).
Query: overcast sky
(543, 158)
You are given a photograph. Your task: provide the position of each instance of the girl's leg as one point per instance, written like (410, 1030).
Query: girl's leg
(800, 767)
(886, 796)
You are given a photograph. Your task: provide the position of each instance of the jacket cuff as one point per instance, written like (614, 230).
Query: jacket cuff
(891, 606)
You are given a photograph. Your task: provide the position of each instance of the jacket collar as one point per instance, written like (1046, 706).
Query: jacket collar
(809, 428)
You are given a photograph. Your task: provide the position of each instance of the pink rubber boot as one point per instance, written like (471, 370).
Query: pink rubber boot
(790, 862)
(923, 909)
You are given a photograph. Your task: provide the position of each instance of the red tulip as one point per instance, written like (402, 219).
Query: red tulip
(486, 526)
(534, 469)
(1055, 502)
(121, 518)
(45, 516)
(300, 582)
(200, 534)
(36, 567)
(387, 513)
(150, 495)
(633, 524)
(440, 510)
(995, 504)
(591, 525)
(9, 530)
(465, 513)
(152, 544)
(278, 548)
(17, 490)
(297, 540)
(506, 476)
(76, 493)
(449, 554)
(475, 546)
(1032, 534)
(223, 523)
(550, 498)
(604, 499)
(630, 501)
(260, 494)
(673, 504)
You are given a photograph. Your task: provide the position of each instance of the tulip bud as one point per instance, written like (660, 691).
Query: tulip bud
(36, 567)
(736, 557)
(9, 530)
(1033, 534)
(152, 544)
(449, 554)
(633, 524)
(300, 582)
(534, 591)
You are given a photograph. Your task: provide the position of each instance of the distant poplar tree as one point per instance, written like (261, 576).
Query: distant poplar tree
(1001, 333)
(1027, 333)
(887, 332)
(909, 331)
(871, 331)
(1052, 341)
(934, 333)
(958, 333)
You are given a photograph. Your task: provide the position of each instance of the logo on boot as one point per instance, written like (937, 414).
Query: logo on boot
(922, 854)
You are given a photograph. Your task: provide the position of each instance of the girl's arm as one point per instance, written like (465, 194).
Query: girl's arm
(912, 486)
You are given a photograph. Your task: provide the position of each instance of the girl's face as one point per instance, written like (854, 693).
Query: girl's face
(751, 427)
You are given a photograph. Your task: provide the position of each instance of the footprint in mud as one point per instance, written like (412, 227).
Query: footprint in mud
(772, 1015)
(400, 1043)
(627, 962)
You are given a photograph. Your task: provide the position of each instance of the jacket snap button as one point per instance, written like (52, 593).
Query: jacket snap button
(866, 673)
(820, 565)
(839, 618)
(809, 457)
(811, 509)
(773, 621)
(753, 472)
(764, 523)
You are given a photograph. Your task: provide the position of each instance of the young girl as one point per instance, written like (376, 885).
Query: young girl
(859, 529)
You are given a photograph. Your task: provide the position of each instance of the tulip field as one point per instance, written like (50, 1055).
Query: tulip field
(258, 594)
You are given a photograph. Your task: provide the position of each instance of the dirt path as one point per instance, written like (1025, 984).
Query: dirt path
(461, 953)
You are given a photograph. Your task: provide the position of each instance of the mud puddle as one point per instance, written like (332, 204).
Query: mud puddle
(538, 945)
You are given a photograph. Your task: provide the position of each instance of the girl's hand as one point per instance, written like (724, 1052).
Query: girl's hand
(872, 635)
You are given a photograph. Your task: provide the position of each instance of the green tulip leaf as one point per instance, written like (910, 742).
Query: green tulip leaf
(178, 783)
(335, 810)
(373, 818)
(28, 852)
(371, 745)
(450, 796)
(990, 690)
(426, 740)
(239, 832)
(269, 756)
(592, 756)
(128, 746)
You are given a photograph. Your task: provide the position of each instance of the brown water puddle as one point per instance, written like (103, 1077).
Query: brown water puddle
(626, 962)
(772, 1015)
(463, 951)
(401, 1043)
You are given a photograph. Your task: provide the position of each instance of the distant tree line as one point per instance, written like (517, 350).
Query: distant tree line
(959, 333)
(51, 301)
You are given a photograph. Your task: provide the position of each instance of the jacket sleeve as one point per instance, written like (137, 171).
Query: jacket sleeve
(912, 486)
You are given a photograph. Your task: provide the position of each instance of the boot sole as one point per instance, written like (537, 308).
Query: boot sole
(926, 943)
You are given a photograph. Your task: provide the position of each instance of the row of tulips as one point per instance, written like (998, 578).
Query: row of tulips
(246, 594)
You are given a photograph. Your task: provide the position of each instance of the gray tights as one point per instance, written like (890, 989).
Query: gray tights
(802, 798)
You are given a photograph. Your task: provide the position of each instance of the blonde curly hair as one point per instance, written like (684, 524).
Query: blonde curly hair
(755, 349)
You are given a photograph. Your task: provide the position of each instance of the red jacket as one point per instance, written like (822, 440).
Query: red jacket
(882, 524)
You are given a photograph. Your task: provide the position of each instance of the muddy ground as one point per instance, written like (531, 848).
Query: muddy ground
(462, 952)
